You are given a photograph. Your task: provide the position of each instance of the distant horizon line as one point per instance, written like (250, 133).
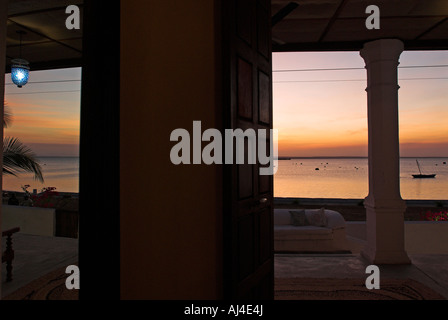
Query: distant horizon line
(59, 156)
(349, 157)
(278, 158)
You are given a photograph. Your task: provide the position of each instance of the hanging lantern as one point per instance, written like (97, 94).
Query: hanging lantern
(20, 72)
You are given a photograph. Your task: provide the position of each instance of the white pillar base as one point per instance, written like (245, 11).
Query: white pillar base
(385, 232)
(385, 257)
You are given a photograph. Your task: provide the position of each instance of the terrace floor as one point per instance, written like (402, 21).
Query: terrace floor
(428, 269)
(35, 256)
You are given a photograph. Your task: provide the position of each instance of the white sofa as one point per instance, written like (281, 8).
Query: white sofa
(308, 236)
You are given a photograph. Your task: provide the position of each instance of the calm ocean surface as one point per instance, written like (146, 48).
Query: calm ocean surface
(59, 172)
(336, 178)
(348, 178)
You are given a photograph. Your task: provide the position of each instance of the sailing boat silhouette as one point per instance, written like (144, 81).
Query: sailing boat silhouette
(421, 176)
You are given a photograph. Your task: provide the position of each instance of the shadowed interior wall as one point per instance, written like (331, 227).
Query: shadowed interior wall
(171, 245)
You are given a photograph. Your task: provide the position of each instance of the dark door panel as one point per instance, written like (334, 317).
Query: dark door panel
(248, 226)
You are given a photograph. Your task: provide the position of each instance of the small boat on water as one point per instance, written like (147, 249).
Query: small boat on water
(422, 176)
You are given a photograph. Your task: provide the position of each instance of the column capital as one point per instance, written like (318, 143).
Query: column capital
(383, 49)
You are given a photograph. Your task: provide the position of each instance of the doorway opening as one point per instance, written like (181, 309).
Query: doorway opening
(41, 145)
(320, 111)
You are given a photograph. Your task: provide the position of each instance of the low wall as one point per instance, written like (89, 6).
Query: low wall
(353, 202)
(31, 220)
(421, 237)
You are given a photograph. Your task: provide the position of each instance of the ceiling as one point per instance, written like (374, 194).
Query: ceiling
(47, 42)
(323, 25)
(303, 25)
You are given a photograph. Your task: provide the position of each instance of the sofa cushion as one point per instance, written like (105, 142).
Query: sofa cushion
(298, 218)
(317, 217)
(335, 220)
(282, 217)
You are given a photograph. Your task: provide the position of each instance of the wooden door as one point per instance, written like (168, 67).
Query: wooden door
(248, 211)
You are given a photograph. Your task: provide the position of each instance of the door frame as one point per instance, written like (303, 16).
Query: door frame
(99, 168)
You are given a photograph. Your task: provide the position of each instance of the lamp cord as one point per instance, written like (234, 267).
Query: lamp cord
(20, 46)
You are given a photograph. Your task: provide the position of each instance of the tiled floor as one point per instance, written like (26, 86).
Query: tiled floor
(35, 256)
(431, 270)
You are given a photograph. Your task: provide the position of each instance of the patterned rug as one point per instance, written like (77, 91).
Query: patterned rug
(52, 287)
(351, 289)
(49, 287)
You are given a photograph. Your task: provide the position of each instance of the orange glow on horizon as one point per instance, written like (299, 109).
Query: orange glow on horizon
(42, 118)
(31, 124)
(325, 113)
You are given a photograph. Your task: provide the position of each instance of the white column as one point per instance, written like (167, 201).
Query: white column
(3, 17)
(384, 205)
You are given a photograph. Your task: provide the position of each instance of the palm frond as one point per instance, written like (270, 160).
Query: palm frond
(18, 158)
(7, 116)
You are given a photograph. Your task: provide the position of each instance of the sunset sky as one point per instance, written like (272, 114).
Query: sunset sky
(46, 121)
(316, 117)
(317, 113)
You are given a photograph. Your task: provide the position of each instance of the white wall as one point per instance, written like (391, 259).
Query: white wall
(421, 237)
(31, 220)
(426, 237)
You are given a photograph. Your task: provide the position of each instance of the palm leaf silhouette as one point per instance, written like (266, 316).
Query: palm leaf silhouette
(17, 158)
(7, 116)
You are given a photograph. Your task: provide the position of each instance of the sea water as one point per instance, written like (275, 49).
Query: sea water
(59, 172)
(347, 178)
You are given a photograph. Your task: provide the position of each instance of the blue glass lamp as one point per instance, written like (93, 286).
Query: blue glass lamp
(20, 72)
